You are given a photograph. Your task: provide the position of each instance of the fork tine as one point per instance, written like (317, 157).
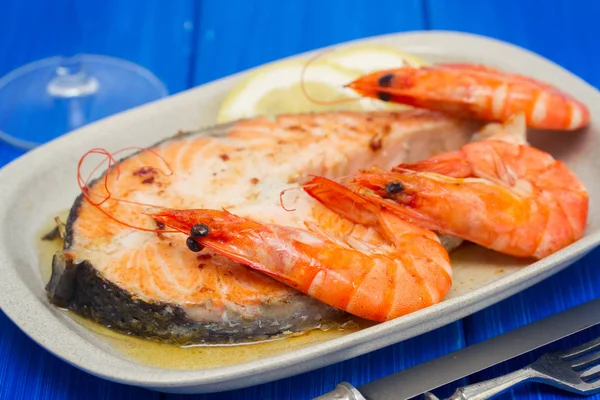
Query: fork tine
(590, 375)
(583, 362)
(581, 350)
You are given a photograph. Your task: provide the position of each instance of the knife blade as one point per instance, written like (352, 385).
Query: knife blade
(432, 374)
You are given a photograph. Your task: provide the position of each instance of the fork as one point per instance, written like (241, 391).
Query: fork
(575, 370)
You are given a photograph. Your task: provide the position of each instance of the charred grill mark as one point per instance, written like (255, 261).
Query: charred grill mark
(296, 128)
(147, 173)
(144, 171)
(376, 142)
(160, 226)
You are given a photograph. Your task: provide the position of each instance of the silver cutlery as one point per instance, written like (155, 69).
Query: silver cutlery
(575, 370)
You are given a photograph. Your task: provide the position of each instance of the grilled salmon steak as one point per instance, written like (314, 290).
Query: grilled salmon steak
(151, 285)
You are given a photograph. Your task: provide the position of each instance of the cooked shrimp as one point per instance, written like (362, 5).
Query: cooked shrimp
(407, 270)
(498, 192)
(476, 91)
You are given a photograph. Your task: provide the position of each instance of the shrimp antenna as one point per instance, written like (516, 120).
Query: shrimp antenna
(111, 162)
(303, 83)
(281, 197)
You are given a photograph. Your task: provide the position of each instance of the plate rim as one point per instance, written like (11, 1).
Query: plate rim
(335, 350)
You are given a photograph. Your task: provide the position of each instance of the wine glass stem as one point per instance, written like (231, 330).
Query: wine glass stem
(71, 83)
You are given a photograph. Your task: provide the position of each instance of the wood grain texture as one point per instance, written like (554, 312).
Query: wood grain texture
(357, 370)
(189, 42)
(562, 31)
(28, 371)
(153, 33)
(236, 35)
(575, 285)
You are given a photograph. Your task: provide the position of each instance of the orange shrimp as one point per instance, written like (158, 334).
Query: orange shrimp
(375, 282)
(476, 91)
(498, 192)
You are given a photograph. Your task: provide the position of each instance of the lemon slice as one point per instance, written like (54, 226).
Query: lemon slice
(276, 89)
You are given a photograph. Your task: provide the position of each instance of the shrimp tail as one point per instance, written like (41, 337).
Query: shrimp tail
(457, 164)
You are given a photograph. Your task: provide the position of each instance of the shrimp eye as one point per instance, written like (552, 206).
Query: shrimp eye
(394, 188)
(193, 245)
(384, 96)
(385, 80)
(199, 230)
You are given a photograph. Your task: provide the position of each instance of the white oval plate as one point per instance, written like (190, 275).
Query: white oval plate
(42, 182)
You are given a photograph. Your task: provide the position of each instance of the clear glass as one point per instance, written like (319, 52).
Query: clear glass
(48, 98)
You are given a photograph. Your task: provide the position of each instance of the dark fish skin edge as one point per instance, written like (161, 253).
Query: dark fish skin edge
(80, 288)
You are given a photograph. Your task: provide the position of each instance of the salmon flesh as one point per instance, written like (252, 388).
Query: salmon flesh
(151, 285)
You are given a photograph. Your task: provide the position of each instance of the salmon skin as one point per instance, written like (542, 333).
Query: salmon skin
(150, 285)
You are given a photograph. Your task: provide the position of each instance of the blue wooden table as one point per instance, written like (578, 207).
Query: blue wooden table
(186, 43)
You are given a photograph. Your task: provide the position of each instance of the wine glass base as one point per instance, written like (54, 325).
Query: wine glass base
(45, 99)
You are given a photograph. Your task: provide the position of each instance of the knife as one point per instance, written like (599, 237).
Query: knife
(432, 374)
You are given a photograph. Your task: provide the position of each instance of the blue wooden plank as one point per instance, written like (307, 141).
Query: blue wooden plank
(357, 370)
(236, 35)
(27, 371)
(564, 34)
(152, 33)
(573, 286)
